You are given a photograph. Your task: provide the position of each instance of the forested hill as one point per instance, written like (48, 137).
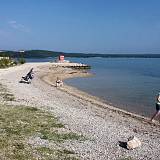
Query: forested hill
(45, 54)
(31, 54)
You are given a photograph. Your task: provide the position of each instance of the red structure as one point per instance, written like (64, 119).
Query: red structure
(61, 58)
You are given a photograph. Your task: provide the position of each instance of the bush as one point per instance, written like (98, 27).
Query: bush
(7, 62)
(21, 60)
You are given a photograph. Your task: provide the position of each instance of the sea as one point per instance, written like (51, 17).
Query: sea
(126, 83)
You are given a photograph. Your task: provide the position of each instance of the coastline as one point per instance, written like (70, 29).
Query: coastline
(67, 73)
(102, 124)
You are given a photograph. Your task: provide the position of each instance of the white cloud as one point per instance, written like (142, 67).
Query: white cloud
(18, 26)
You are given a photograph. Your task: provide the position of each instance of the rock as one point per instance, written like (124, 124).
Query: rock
(133, 142)
(135, 130)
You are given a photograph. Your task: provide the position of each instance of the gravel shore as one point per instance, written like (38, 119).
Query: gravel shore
(102, 125)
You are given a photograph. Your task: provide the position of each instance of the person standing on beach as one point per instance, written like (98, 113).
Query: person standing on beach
(157, 107)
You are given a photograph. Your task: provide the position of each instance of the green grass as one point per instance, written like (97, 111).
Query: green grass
(19, 123)
(56, 154)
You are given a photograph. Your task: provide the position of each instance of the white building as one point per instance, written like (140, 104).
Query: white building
(21, 51)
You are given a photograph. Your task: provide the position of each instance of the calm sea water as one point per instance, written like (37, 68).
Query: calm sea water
(127, 83)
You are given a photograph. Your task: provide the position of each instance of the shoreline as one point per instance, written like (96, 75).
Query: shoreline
(50, 79)
(103, 126)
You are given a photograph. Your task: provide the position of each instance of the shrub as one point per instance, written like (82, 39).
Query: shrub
(21, 60)
(5, 62)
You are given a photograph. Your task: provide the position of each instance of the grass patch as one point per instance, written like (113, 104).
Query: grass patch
(56, 154)
(19, 123)
(55, 136)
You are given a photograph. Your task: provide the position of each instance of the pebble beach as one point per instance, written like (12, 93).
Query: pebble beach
(104, 126)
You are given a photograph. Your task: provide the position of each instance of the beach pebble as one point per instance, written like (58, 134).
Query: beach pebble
(133, 142)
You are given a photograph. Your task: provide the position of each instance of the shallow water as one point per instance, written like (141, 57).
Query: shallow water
(127, 83)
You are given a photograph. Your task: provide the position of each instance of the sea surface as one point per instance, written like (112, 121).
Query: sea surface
(127, 83)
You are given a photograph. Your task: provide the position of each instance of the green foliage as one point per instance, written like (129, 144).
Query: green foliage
(21, 61)
(31, 54)
(7, 62)
(4, 62)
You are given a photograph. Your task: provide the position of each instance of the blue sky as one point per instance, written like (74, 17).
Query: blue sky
(97, 26)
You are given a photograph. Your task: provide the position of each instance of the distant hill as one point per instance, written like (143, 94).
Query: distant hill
(31, 54)
(45, 54)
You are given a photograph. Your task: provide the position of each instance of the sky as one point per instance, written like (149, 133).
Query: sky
(88, 26)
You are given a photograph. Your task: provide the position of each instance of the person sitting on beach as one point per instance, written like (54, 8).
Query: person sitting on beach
(157, 107)
(29, 76)
(59, 82)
